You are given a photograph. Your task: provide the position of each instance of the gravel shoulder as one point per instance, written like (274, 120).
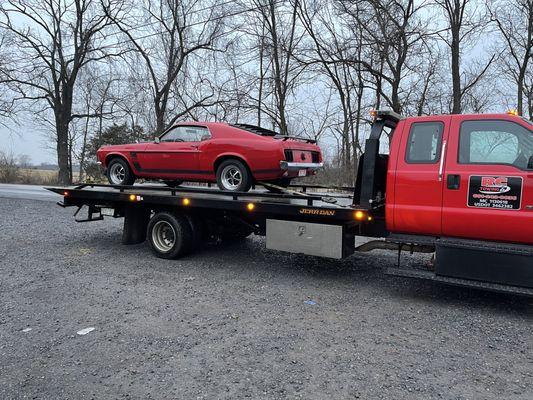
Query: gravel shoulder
(230, 322)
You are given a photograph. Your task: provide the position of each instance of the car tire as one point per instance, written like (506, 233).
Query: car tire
(170, 235)
(234, 176)
(120, 173)
(173, 184)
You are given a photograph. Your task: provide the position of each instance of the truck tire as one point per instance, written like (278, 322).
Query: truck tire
(119, 172)
(234, 176)
(170, 235)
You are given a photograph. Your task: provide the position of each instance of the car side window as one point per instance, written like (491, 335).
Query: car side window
(495, 142)
(186, 134)
(423, 145)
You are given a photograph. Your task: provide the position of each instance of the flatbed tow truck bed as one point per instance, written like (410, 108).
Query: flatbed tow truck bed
(323, 223)
(332, 206)
(314, 220)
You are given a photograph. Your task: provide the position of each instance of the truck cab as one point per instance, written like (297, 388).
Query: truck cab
(465, 176)
(461, 184)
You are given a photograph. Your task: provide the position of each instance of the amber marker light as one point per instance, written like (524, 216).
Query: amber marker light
(359, 215)
(186, 201)
(133, 197)
(370, 218)
(514, 113)
(65, 193)
(250, 206)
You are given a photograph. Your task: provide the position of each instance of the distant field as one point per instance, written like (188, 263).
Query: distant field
(41, 176)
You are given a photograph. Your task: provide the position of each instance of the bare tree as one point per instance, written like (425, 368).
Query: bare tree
(515, 25)
(393, 34)
(280, 39)
(170, 37)
(330, 51)
(7, 104)
(463, 21)
(55, 40)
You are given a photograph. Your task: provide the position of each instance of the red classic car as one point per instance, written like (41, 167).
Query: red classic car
(235, 156)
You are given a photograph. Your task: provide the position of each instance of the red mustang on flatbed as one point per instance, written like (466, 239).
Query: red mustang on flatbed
(234, 156)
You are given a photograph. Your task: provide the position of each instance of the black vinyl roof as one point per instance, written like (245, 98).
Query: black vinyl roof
(256, 129)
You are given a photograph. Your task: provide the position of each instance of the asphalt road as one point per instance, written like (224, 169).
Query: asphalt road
(30, 192)
(239, 321)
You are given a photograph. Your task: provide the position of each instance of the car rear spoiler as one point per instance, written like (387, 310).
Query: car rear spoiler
(302, 139)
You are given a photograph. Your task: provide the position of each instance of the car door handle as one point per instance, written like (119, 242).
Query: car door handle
(453, 182)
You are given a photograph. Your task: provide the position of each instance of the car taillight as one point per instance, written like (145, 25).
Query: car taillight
(289, 156)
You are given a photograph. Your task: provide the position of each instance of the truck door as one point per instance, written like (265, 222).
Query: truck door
(418, 179)
(489, 180)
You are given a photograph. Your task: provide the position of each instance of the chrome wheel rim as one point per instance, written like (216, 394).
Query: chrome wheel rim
(117, 173)
(231, 177)
(163, 236)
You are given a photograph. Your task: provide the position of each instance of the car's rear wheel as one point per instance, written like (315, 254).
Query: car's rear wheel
(233, 175)
(120, 173)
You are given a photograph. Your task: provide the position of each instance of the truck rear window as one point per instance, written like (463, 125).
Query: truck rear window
(423, 145)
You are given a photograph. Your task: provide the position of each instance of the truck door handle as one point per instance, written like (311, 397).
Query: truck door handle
(453, 182)
(441, 164)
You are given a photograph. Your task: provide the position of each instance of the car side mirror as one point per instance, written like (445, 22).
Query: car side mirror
(157, 140)
(530, 163)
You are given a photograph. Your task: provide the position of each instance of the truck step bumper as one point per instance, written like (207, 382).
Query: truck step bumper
(500, 263)
(429, 275)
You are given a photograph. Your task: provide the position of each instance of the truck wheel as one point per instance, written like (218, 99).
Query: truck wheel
(120, 173)
(170, 235)
(233, 175)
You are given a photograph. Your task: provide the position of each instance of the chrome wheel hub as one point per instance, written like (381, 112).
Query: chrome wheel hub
(163, 236)
(117, 174)
(231, 177)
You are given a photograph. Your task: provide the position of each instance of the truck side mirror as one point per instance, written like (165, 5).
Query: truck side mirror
(157, 140)
(530, 163)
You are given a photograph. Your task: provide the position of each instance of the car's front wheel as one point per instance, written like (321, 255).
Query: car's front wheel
(120, 173)
(233, 175)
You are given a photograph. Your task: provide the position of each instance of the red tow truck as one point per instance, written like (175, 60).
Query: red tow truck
(458, 186)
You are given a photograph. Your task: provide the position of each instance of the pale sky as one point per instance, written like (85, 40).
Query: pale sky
(24, 139)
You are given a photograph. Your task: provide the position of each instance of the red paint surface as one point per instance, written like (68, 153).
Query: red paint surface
(419, 203)
(195, 161)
